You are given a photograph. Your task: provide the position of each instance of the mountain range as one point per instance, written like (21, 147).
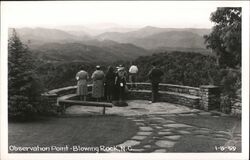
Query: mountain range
(78, 43)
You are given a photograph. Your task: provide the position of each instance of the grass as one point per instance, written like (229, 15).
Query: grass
(91, 131)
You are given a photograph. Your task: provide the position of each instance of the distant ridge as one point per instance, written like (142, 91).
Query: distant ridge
(59, 45)
(153, 37)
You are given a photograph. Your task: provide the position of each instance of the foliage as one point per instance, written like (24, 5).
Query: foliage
(62, 74)
(193, 69)
(225, 38)
(190, 69)
(23, 86)
(226, 104)
(181, 68)
(231, 82)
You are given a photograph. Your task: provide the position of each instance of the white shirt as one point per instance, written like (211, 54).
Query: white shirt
(133, 69)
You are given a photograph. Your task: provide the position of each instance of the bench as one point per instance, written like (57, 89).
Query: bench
(65, 103)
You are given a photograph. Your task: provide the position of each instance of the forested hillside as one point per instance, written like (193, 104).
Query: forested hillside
(190, 69)
(56, 52)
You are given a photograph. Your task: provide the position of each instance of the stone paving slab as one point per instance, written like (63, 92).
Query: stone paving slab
(175, 137)
(167, 130)
(184, 132)
(144, 133)
(139, 124)
(145, 128)
(130, 143)
(138, 137)
(177, 125)
(165, 143)
(138, 120)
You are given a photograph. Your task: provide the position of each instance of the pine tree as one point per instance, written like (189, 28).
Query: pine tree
(23, 89)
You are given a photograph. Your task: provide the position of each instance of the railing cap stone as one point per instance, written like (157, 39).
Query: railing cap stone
(209, 86)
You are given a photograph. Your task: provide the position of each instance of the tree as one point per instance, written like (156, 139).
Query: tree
(23, 88)
(225, 38)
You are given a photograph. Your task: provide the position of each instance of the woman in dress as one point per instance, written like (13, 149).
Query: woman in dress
(98, 86)
(82, 88)
(110, 83)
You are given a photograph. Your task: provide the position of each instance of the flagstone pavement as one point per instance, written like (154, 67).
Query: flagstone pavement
(162, 128)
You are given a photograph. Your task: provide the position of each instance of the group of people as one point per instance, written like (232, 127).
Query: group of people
(112, 85)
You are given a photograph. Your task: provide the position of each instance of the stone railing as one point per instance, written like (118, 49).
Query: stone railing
(66, 90)
(169, 87)
(205, 97)
(183, 95)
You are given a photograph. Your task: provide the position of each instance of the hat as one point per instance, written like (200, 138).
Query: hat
(120, 68)
(97, 67)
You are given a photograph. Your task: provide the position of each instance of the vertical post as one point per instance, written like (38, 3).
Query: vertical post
(210, 97)
(103, 112)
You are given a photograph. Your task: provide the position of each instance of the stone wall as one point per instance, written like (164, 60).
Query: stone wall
(206, 97)
(210, 97)
(169, 87)
(183, 95)
(53, 95)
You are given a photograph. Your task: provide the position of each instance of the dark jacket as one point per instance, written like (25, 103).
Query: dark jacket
(155, 75)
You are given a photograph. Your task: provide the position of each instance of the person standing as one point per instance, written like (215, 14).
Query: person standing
(133, 70)
(120, 83)
(82, 88)
(155, 75)
(98, 80)
(110, 83)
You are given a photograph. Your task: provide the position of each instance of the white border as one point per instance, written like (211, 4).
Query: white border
(138, 156)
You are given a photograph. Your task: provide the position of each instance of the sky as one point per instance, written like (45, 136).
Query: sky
(111, 13)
